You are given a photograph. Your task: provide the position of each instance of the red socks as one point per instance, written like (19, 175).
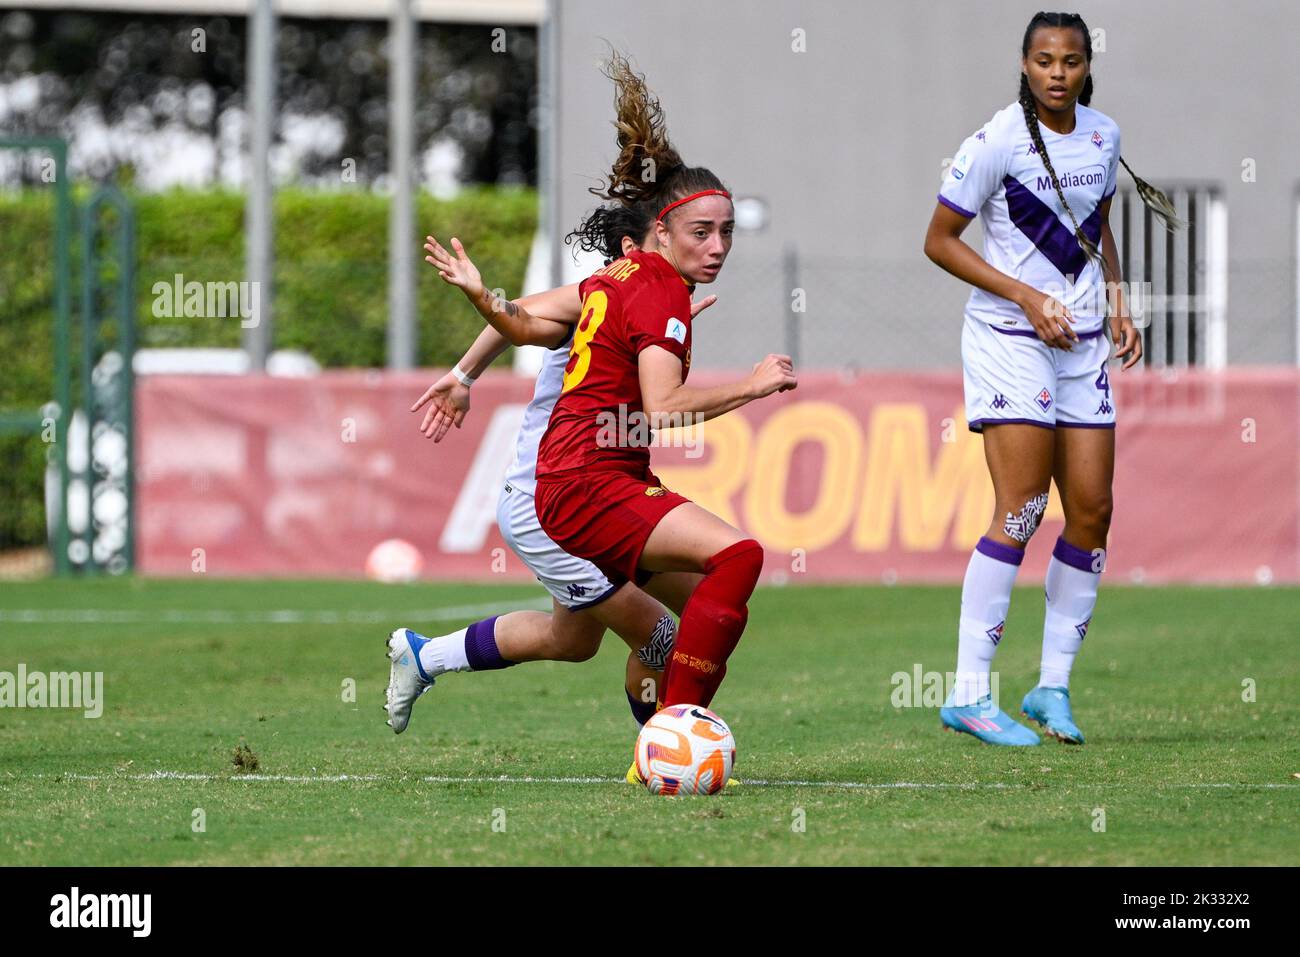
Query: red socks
(712, 622)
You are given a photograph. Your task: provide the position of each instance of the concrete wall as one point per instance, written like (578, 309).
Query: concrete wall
(846, 144)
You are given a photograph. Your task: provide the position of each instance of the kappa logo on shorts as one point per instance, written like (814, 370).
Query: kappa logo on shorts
(1103, 386)
(577, 591)
(1000, 401)
(1044, 400)
(655, 491)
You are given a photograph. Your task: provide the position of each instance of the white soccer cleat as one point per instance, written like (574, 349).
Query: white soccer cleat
(406, 678)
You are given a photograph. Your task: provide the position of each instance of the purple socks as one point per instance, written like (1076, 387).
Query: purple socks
(481, 646)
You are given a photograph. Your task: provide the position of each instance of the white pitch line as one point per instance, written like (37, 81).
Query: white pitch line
(283, 616)
(508, 779)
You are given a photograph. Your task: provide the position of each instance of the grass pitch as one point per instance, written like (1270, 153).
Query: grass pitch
(525, 766)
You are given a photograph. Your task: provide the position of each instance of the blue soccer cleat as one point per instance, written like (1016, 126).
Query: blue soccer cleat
(988, 723)
(406, 679)
(1050, 707)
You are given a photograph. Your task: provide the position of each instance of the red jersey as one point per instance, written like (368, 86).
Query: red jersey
(598, 421)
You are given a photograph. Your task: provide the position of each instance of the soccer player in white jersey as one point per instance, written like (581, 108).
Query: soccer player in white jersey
(1040, 175)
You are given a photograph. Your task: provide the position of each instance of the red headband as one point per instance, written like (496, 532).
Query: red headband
(686, 199)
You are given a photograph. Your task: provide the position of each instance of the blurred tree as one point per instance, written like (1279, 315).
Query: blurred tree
(165, 93)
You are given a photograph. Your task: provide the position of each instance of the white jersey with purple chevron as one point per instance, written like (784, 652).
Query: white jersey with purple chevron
(999, 176)
(522, 473)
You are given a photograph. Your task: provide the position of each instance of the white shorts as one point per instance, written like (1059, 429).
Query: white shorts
(574, 582)
(1010, 375)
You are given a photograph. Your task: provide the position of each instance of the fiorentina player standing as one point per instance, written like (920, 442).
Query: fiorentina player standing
(1041, 175)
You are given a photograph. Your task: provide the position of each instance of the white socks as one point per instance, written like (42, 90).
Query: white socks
(445, 653)
(985, 598)
(1072, 579)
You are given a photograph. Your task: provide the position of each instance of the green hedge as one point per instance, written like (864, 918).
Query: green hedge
(331, 290)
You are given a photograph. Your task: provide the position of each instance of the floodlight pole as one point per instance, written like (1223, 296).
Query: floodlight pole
(258, 219)
(401, 218)
(548, 140)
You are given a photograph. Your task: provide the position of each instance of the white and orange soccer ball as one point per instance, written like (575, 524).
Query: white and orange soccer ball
(685, 749)
(394, 561)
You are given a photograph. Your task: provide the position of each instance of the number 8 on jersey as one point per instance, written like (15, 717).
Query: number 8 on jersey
(593, 314)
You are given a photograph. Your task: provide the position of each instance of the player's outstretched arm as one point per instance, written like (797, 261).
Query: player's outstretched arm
(668, 401)
(448, 398)
(515, 323)
(564, 304)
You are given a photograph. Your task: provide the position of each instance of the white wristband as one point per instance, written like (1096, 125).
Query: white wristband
(465, 380)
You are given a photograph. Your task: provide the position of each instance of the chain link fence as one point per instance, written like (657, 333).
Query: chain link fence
(850, 312)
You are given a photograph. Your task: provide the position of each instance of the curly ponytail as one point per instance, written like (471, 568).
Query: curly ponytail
(648, 172)
(646, 157)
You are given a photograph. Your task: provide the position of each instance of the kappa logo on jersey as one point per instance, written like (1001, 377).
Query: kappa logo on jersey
(577, 591)
(1044, 400)
(676, 330)
(1000, 401)
(1097, 141)
(995, 633)
(654, 491)
(981, 136)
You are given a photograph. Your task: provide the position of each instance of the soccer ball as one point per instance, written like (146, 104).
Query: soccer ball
(685, 749)
(394, 561)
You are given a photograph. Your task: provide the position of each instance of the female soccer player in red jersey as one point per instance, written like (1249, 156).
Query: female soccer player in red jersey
(585, 601)
(1041, 174)
(630, 357)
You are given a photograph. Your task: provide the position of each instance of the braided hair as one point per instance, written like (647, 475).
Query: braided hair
(1155, 199)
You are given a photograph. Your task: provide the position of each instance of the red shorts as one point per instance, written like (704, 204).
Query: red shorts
(605, 517)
